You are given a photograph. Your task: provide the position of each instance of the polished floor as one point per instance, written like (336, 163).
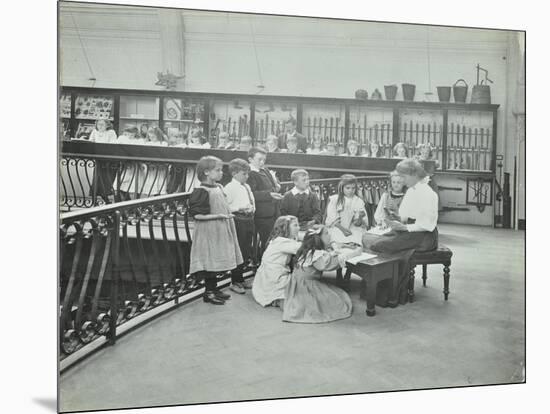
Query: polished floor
(240, 351)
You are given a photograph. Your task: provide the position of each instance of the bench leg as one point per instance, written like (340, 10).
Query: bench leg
(424, 274)
(411, 285)
(446, 276)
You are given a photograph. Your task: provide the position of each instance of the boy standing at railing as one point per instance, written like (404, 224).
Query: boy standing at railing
(266, 195)
(242, 206)
(301, 201)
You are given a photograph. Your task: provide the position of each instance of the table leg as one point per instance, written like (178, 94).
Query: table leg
(394, 298)
(446, 276)
(371, 295)
(363, 289)
(411, 284)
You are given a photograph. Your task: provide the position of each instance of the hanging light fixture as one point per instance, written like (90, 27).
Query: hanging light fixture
(260, 85)
(428, 96)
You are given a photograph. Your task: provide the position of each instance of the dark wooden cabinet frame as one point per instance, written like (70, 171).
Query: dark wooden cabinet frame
(444, 107)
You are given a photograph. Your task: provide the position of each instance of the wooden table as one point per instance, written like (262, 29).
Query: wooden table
(372, 271)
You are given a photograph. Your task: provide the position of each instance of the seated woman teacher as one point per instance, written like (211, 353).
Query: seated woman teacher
(415, 229)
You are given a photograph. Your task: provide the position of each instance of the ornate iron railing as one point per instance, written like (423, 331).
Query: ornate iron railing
(120, 265)
(88, 182)
(97, 174)
(123, 263)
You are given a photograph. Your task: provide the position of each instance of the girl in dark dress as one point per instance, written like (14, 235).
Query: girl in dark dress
(215, 248)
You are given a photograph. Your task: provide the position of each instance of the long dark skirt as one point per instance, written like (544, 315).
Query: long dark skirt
(405, 244)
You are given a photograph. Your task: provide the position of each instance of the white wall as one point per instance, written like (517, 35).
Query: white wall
(127, 46)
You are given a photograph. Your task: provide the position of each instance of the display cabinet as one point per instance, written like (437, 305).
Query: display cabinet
(179, 115)
(462, 136)
(270, 118)
(65, 105)
(470, 141)
(89, 108)
(326, 121)
(141, 112)
(372, 125)
(418, 125)
(231, 116)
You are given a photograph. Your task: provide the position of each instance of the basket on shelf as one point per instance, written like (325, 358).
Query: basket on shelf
(460, 91)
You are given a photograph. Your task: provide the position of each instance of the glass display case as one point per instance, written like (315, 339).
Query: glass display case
(231, 116)
(65, 105)
(422, 126)
(371, 125)
(271, 118)
(90, 108)
(182, 114)
(469, 140)
(327, 121)
(462, 136)
(140, 112)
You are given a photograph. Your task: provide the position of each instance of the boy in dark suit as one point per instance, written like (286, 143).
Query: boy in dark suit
(301, 201)
(290, 131)
(265, 190)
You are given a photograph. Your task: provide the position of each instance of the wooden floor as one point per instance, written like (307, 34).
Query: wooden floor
(240, 351)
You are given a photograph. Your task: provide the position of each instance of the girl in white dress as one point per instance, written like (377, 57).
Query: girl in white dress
(103, 133)
(346, 215)
(274, 272)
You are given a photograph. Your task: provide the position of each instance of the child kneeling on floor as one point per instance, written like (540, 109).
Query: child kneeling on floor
(215, 248)
(307, 298)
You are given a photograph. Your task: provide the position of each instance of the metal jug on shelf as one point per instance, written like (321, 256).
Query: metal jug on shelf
(481, 94)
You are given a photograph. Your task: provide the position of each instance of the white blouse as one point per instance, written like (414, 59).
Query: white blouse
(107, 137)
(420, 203)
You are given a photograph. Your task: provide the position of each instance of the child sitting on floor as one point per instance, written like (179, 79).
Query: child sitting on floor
(307, 298)
(301, 201)
(273, 274)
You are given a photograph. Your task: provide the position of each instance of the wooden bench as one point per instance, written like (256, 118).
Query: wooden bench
(442, 255)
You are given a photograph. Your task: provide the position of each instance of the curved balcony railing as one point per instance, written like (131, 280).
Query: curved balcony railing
(119, 262)
(124, 263)
(94, 174)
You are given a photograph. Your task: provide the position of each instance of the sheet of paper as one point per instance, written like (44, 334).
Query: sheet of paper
(379, 231)
(360, 258)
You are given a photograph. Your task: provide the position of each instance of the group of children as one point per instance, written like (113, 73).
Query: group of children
(290, 142)
(302, 243)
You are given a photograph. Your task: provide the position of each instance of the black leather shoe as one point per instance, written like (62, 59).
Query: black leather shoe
(210, 297)
(221, 295)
